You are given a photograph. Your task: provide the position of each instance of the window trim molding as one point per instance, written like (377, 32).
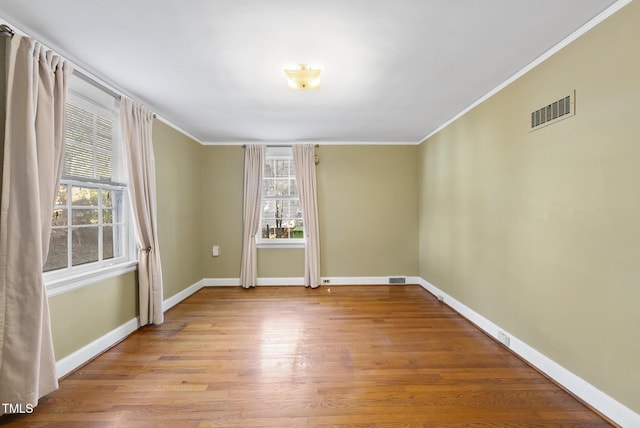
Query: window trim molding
(57, 286)
(280, 243)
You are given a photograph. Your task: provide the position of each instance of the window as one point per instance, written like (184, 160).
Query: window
(90, 221)
(281, 215)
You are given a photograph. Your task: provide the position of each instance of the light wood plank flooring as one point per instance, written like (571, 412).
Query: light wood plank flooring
(344, 356)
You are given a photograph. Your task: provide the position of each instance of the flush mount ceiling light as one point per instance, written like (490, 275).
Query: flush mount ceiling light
(303, 77)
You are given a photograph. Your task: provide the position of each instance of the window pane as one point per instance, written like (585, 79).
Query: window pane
(84, 196)
(268, 169)
(84, 216)
(281, 219)
(107, 216)
(61, 197)
(107, 198)
(268, 187)
(282, 187)
(57, 258)
(84, 245)
(59, 218)
(107, 242)
(268, 218)
(283, 167)
(291, 213)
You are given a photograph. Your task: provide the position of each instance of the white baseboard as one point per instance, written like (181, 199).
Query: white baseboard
(76, 359)
(180, 296)
(280, 281)
(603, 403)
(367, 280)
(355, 280)
(333, 280)
(221, 282)
(235, 282)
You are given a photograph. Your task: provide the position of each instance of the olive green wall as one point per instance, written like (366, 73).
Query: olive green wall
(540, 232)
(280, 262)
(367, 197)
(80, 316)
(179, 198)
(222, 210)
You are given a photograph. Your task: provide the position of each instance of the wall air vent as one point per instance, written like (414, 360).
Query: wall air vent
(397, 280)
(564, 108)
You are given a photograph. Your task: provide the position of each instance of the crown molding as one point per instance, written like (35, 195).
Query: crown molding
(318, 142)
(539, 60)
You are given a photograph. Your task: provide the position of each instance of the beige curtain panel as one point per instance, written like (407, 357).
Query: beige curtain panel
(254, 156)
(305, 168)
(137, 123)
(33, 154)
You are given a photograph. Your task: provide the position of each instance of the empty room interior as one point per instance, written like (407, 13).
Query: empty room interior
(361, 213)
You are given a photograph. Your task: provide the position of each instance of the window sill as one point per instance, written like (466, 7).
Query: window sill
(280, 243)
(58, 286)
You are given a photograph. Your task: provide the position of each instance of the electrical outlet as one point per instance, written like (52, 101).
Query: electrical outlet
(326, 281)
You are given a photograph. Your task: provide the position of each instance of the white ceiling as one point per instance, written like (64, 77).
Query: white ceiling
(392, 70)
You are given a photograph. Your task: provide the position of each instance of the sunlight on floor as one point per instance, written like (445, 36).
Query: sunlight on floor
(280, 345)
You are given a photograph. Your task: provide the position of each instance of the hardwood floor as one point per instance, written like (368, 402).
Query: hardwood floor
(345, 356)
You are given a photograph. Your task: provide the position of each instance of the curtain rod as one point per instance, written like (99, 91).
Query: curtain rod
(88, 79)
(105, 88)
(6, 31)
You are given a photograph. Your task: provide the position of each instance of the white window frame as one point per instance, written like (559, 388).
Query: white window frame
(278, 152)
(90, 97)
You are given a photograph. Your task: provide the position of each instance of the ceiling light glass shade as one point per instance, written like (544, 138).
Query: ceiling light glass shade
(303, 77)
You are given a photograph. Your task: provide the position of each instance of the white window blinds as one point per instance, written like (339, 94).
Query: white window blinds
(92, 149)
